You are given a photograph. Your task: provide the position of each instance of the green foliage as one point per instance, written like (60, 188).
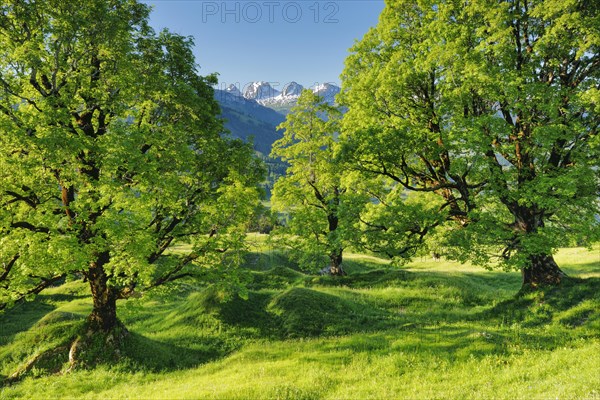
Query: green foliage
(275, 169)
(263, 220)
(112, 152)
(492, 107)
(391, 222)
(311, 191)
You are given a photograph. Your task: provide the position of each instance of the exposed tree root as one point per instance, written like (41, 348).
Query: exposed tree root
(88, 349)
(42, 358)
(93, 347)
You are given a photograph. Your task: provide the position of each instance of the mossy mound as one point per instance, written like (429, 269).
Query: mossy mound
(44, 348)
(248, 314)
(305, 312)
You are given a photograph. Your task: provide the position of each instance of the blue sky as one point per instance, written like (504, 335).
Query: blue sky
(277, 41)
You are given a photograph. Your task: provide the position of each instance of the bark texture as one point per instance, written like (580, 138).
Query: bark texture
(542, 271)
(335, 266)
(104, 313)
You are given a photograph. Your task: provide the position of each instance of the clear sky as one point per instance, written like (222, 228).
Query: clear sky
(277, 41)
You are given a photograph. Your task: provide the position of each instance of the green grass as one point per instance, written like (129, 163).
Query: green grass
(433, 329)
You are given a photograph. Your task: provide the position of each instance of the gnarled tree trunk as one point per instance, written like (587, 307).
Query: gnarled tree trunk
(102, 337)
(335, 265)
(542, 271)
(335, 257)
(104, 313)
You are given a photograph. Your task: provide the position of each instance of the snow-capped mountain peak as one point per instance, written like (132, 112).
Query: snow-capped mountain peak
(233, 90)
(258, 108)
(288, 97)
(292, 89)
(263, 93)
(326, 90)
(260, 90)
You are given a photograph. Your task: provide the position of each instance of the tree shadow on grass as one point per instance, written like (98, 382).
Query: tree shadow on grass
(144, 353)
(22, 317)
(450, 342)
(26, 314)
(586, 268)
(137, 352)
(250, 314)
(431, 298)
(293, 313)
(62, 297)
(441, 321)
(537, 307)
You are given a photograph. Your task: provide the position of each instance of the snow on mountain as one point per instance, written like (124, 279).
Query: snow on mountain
(233, 90)
(326, 90)
(258, 108)
(292, 89)
(264, 94)
(288, 97)
(259, 91)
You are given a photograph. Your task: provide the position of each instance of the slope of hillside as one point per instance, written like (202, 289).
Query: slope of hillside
(246, 118)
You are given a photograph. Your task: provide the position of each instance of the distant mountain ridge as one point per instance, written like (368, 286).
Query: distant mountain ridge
(258, 108)
(265, 94)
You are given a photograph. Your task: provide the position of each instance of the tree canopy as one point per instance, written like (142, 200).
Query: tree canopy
(311, 190)
(493, 107)
(111, 154)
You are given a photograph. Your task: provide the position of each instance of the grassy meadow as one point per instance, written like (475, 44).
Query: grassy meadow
(432, 329)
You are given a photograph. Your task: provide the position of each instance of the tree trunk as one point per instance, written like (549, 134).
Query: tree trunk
(335, 257)
(104, 313)
(335, 266)
(102, 338)
(542, 271)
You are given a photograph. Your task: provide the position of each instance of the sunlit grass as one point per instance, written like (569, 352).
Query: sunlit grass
(432, 329)
(579, 261)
